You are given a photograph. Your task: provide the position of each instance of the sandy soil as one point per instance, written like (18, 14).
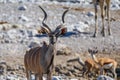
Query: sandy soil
(108, 46)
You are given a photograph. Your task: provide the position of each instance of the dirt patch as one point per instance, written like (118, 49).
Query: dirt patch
(78, 44)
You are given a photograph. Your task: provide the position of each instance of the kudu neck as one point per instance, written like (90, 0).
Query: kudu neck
(52, 47)
(52, 44)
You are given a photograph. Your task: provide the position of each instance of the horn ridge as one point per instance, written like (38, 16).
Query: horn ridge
(64, 15)
(45, 17)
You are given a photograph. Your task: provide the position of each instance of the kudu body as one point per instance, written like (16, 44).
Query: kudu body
(105, 10)
(104, 63)
(40, 60)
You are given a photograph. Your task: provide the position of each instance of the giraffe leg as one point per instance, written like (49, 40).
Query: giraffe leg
(102, 16)
(96, 22)
(108, 15)
(105, 9)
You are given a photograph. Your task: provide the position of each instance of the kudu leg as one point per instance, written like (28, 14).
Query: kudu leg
(28, 75)
(38, 77)
(49, 76)
(102, 16)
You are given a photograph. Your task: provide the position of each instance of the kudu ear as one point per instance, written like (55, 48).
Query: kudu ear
(60, 30)
(44, 30)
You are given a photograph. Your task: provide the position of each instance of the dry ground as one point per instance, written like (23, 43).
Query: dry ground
(79, 45)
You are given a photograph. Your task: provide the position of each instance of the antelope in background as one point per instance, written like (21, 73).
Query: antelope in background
(111, 64)
(88, 66)
(105, 10)
(40, 60)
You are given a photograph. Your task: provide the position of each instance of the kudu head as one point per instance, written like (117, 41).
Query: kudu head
(53, 35)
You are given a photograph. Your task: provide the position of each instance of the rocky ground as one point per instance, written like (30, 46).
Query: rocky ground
(19, 33)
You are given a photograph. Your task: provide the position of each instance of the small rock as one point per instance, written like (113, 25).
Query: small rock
(17, 26)
(73, 79)
(115, 6)
(1, 35)
(103, 77)
(11, 1)
(5, 27)
(3, 68)
(64, 51)
(14, 34)
(90, 14)
(80, 27)
(34, 44)
(77, 67)
(12, 77)
(23, 8)
(69, 74)
(32, 32)
(56, 78)
(23, 18)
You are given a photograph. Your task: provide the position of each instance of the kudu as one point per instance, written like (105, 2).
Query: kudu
(111, 64)
(40, 60)
(105, 10)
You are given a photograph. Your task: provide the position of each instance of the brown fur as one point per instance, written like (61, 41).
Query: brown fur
(35, 60)
(90, 66)
(104, 61)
